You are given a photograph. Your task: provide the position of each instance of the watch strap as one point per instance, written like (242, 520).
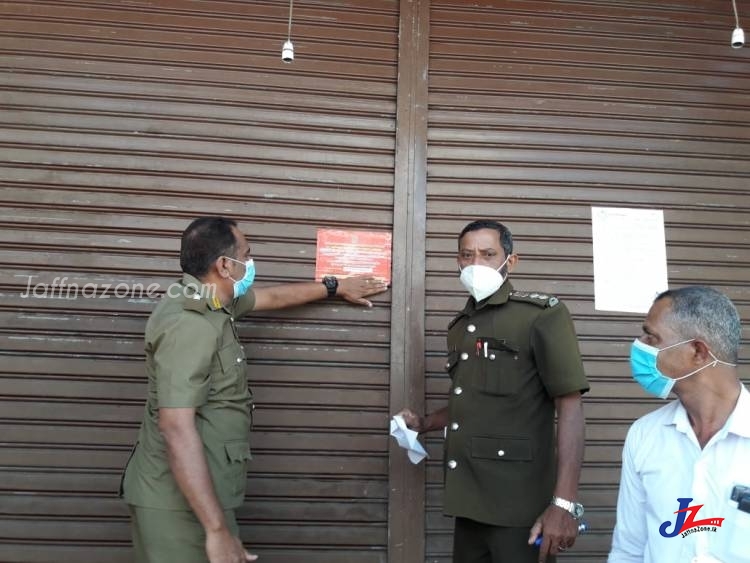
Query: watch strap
(575, 509)
(332, 284)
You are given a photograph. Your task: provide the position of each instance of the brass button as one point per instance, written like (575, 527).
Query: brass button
(471, 328)
(454, 426)
(500, 453)
(452, 464)
(464, 356)
(239, 360)
(458, 391)
(492, 356)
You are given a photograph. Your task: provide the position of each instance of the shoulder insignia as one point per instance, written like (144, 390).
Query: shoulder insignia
(538, 299)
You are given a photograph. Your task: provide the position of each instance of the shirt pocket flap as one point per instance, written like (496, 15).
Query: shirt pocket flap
(501, 345)
(501, 448)
(237, 451)
(230, 357)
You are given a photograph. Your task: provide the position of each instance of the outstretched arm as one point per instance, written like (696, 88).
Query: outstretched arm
(353, 289)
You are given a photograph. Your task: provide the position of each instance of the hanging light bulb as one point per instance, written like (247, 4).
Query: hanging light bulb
(287, 51)
(738, 35)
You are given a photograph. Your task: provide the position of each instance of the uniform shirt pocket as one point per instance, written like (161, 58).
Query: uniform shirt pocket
(229, 371)
(237, 456)
(501, 373)
(501, 448)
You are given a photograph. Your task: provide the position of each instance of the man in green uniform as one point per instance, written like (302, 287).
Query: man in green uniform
(188, 468)
(514, 362)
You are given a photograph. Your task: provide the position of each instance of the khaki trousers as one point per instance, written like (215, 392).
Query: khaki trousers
(171, 536)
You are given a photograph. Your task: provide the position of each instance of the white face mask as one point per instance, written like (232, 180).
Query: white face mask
(482, 281)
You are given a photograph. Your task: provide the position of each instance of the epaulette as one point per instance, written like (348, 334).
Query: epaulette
(538, 299)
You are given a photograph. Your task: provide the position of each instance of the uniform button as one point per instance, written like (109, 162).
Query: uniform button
(464, 356)
(500, 453)
(458, 391)
(239, 360)
(447, 365)
(454, 426)
(231, 319)
(492, 356)
(452, 464)
(471, 328)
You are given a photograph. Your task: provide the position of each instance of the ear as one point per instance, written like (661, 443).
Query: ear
(512, 261)
(701, 352)
(221, 267)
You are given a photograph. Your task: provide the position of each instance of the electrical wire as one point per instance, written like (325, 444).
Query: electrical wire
(734, 7)
(289, 29)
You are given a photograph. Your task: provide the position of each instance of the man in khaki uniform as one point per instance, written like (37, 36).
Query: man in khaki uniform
(188, 468)
(514, 362)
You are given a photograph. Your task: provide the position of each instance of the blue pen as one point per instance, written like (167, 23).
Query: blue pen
(582, 527)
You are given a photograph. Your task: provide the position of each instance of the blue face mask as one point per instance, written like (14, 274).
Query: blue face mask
(643, 364)
(243, 284)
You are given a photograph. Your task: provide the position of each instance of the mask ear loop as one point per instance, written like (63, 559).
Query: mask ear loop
(503, 265)
(709, 364)
(239, 262)
(718, 361)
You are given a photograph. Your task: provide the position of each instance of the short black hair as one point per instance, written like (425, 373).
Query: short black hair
(204, 241)
(506, 238)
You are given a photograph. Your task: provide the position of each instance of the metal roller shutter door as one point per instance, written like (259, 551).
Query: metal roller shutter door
(540, 110)
(120, 123)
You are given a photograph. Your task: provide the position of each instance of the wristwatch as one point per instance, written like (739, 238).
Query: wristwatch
(574, 508)
(332, 284)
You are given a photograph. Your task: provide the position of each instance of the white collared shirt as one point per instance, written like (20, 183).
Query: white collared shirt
(661, 462)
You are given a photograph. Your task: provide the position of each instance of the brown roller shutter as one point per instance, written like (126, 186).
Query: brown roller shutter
(120, 122)
(539, 110)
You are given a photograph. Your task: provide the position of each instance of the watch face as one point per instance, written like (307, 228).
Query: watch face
(577, 509)
(331, 284)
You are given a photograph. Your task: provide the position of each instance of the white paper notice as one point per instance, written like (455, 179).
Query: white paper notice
(630, 258)
(407, 439)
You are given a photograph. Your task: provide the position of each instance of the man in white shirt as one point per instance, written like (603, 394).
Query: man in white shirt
(685, 484)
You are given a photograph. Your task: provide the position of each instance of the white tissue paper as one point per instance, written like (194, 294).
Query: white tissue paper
(407, 439)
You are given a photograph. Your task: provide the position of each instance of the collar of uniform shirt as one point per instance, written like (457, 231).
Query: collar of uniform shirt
(500, 297)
